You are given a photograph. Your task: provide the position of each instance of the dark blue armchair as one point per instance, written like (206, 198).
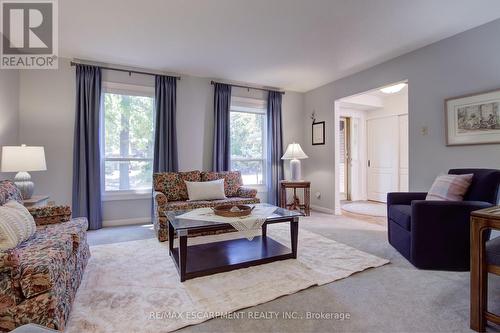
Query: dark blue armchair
(436, 234)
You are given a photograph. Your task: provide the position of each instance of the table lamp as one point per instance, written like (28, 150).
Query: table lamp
(22, 159)
(294, 153)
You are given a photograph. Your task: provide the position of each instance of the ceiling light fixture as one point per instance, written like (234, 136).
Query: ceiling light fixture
(393, 89)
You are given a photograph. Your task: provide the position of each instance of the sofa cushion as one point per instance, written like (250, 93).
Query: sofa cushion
(401, 215)
(172, 183)
(186, 205)
(493, 251)
(43, 259)
(232, 180)
(76, 227)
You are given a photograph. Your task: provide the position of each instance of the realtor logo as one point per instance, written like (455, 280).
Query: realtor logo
(29, 34)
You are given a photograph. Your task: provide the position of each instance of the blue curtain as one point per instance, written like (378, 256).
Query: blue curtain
(274, 146)
(86, 149)
(165, 146)
(222, 103)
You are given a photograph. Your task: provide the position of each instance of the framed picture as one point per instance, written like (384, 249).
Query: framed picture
(473, 119)
(318, 133)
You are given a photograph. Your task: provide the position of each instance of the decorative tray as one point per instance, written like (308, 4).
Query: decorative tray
(233, 210)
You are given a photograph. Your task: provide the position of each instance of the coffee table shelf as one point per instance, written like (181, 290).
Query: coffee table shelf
(218, 257)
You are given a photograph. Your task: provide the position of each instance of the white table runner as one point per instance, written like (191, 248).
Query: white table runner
(245, 224)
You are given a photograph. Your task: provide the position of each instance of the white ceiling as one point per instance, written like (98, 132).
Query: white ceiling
(293, 44)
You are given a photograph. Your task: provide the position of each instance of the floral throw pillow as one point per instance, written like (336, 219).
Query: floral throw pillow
(172, 183)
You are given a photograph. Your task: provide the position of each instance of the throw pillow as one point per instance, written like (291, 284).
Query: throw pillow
(450, 187)
(172, 183)
(232, 180)
(212, 190)
(16, 225)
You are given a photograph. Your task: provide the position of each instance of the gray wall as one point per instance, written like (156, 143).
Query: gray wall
(47, 99)
(9, 110)
(466, 63)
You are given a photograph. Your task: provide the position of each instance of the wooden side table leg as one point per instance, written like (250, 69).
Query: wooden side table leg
(283, 197)
(307, 201)
(479, 278)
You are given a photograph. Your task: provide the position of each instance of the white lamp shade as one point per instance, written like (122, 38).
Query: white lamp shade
(294, 152)
(23, 158)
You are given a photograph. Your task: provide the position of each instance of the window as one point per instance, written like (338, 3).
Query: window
(128, 139)
(248, 139)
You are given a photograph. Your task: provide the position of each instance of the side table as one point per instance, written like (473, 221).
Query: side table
(36, 201)
(481, 221)
(296, 204)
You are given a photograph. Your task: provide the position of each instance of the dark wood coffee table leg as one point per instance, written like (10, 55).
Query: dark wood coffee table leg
(171, 235)
(264, 230)
(294, 233)
(182, 253)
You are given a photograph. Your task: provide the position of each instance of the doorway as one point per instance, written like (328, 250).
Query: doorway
(344, 142)
(371, 146)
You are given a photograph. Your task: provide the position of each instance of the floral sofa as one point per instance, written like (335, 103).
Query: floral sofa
(40, 277)
(170, 194)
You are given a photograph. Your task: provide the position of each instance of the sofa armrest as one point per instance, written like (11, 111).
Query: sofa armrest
(247, 192)
(50, 214)
(404, 198)
(160, 198)
(159, 202)
(441, 230)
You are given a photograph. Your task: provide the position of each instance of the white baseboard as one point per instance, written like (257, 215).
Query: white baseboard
(118, 222)
(322, 209)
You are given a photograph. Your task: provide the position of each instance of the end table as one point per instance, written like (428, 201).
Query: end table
(296, 204)
(36, 201)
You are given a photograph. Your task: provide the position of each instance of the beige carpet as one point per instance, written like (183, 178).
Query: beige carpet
(134, 286)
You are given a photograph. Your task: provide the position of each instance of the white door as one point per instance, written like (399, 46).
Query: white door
(403, 153)
(383, 157)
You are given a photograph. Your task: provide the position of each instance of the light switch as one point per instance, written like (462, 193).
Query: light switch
(424, 130)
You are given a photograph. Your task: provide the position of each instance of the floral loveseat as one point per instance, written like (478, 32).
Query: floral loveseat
(170, 193)
(39, 278)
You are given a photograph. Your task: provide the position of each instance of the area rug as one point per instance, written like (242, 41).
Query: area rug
(134, 286)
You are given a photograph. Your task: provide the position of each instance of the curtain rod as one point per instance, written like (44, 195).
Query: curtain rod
(247, 87)
(130, 71)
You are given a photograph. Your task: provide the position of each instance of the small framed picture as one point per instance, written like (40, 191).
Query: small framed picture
(473, 119)
(318, 133)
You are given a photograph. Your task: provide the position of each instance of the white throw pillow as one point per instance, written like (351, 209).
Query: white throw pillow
(16, 225)
(211, 190)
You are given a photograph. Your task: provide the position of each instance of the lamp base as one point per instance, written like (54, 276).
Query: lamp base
(24, 183)
(295, 169)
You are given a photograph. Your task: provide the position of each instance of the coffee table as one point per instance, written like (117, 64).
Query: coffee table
(222, 256)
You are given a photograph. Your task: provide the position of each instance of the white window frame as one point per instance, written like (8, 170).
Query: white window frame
(254, 106)
(130, 90)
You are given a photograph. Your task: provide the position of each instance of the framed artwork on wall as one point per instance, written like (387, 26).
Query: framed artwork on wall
(318, 133)
(473, 119)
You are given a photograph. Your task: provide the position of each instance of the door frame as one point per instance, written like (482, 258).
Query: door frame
(360, 115)
(347, 159)
(337, 113)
